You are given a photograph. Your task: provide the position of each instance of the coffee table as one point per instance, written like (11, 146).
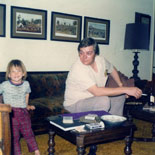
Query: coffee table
(92, 138)
(145, 115)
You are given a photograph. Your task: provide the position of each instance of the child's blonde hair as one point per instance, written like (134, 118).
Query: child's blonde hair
(16, 63)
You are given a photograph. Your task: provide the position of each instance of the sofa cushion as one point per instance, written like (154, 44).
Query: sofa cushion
(48, 106)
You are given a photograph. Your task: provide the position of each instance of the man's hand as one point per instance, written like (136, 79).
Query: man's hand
(30, 107)
(134, 91)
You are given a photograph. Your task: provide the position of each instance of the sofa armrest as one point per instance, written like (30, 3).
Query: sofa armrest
(124, 79)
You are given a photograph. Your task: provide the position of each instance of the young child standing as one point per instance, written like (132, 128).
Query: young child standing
(15, 91)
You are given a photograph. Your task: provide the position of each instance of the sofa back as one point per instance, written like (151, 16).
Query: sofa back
(44, 84)
(49, 84)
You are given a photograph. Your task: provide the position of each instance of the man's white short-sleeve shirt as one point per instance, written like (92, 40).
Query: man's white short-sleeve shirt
(81, 77)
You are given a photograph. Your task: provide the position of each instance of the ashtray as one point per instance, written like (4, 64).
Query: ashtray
(113, 120)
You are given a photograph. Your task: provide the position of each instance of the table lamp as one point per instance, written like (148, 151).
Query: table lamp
(136, 38)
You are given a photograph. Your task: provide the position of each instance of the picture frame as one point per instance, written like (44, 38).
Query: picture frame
(2, 20)
(98, 29)
(65, 27)
(143, 18)
(28, 23)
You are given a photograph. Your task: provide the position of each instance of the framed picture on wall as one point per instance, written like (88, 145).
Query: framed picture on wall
(2, 19)
(28, 23)
(65, 27)
(143, 18)
(98, 29)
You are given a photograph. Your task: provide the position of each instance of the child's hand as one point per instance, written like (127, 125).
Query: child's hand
(30, 107)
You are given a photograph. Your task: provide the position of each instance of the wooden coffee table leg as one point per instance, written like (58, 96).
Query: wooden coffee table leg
(80, 145)
(127, 149)
(80, 150)
(93, 149)
(128, 142)
(51, 143)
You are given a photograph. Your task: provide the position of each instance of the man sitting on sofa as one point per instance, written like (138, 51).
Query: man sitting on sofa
(85, 84)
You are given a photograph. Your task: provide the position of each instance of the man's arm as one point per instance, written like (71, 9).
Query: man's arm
(102, 91)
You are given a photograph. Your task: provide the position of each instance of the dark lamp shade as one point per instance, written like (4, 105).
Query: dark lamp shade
(137, 36)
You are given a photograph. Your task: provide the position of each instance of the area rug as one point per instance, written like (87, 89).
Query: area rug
(64, 147)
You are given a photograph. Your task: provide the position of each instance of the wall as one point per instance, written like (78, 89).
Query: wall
(47, 55)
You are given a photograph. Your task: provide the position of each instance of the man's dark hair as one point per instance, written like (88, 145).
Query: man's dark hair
(89, 42)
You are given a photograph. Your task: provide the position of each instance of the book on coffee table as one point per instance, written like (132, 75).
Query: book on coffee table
(58, 122)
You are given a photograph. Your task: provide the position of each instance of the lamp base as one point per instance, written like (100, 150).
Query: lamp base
(135, 66)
